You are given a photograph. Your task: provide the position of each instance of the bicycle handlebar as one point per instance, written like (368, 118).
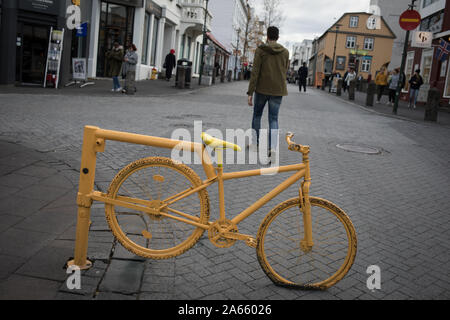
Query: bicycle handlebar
(294, 146)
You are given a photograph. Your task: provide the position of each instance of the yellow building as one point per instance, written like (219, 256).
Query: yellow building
(356, 40)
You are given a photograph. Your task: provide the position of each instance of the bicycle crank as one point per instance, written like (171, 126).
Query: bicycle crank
(217, 233)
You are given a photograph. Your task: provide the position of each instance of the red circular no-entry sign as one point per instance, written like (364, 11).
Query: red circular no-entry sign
(409, 20)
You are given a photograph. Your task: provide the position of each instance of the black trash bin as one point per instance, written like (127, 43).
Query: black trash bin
(187, 66)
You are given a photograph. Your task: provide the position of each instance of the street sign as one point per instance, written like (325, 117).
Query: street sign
(409, 20)
(82, 30)
(422, 39)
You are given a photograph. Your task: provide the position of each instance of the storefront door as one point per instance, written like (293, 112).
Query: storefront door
(116, 24)
(32, 53)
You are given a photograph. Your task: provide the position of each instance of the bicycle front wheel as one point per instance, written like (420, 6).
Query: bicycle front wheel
(148, 183)
(287, 263)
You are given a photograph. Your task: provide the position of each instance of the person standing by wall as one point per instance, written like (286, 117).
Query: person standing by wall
(302, 76)
(415, 82)
(268, 84)
(129, 69)
(115, 58)
(381, 80)
(170, 63)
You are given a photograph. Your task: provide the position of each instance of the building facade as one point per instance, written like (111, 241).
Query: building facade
(435, 16)
(354, 44)
(154, 26)
(229, 27)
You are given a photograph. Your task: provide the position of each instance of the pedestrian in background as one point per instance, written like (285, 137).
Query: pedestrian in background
(393, 84)
(170, 63)
(268, 84)
(344, 83)
(381, 80)
(415, 82)
(115, 59)
(351, 75)
(129, 70)
(302, 76)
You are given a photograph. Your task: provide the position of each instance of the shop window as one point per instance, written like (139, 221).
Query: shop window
(426, 64)
(154, 41)
(447, 84)
(409, 69)
(116, 24)
(145, 43)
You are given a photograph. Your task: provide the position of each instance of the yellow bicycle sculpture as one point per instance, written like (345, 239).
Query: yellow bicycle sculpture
(159, 208)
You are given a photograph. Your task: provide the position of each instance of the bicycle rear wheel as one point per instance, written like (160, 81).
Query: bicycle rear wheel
(280, 253)
(147, 182)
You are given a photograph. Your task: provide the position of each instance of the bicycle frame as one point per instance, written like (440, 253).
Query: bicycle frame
(94, 140)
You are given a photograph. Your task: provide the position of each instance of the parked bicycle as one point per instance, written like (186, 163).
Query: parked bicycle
(159, 208)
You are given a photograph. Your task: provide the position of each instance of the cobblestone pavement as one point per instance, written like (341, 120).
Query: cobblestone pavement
(397, 199)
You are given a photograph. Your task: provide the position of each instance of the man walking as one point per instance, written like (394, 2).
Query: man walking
(170, 63)
(268, 84)
(302, 76)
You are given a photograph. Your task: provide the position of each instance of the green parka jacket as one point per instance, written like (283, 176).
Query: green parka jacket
(269, 72)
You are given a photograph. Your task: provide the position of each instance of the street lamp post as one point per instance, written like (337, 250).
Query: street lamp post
(236, 55)
(334, 52)
(402, 67)
(202, 64)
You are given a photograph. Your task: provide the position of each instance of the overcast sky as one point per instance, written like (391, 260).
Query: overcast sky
(306, 19)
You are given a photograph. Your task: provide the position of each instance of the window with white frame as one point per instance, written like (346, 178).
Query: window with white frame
(426, 64)
(366, 63)
(409, 69)
(354, 21)
(351, 42)
(368, 43)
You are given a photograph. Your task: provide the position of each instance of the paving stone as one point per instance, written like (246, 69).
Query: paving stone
(19, 287)
(18, 181)
(48, 263)
(123, 276)
(9, 264)
(22, 243)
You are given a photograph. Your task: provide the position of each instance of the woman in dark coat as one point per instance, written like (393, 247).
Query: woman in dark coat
(169, 64)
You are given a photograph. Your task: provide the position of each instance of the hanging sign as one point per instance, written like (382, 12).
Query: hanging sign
(422, 39)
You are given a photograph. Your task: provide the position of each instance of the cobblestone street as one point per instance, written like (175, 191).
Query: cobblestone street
(398, 199)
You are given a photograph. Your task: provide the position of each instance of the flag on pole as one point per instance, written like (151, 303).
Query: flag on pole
(442, 50)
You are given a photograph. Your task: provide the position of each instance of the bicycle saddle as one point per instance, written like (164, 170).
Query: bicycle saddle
(217, 143)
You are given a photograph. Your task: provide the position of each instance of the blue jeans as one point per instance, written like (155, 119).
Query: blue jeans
(116, 83)
(274, 107)
(413, 93)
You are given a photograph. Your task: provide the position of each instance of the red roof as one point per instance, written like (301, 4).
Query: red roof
(213, 39)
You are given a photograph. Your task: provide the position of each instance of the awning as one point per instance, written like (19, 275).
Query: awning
(216, 42)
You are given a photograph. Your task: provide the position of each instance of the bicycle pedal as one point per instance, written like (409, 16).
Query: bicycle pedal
(251, 242)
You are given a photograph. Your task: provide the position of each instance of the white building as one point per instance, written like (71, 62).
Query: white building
(229, 25)
(391, 11)
(154, 26)
(301, 53)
